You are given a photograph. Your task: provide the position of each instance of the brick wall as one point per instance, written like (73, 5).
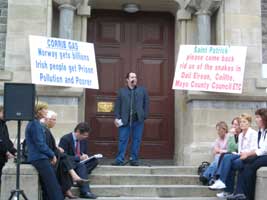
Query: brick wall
(3, 28)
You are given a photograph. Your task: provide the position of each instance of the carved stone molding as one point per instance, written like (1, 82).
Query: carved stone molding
(203, 9)
(74, 3)
(207, 7)
(183, 14)
(84, 9)
(66, 17)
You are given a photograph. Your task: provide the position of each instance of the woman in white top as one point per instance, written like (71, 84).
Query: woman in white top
(254, 160)
(231, 162)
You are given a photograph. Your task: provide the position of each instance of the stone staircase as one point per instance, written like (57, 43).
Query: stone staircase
(148, 183)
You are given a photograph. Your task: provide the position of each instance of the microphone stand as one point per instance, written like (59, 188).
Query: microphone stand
(18, 191)
(131, 109)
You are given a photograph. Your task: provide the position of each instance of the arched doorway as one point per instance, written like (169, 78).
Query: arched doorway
(144, 43)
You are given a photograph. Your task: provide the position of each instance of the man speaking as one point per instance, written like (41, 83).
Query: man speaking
(131, 109)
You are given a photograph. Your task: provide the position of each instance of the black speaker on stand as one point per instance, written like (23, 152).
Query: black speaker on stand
(19, 100)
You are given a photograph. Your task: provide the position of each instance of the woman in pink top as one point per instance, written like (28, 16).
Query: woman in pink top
(220, 146)
(247, 141)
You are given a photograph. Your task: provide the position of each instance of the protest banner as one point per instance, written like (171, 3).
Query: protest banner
(62, 62)
(210, 68)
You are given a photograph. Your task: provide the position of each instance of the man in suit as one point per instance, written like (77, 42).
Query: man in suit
(131, 109)
(75, 145)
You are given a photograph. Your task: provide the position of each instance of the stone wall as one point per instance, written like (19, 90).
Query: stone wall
(238, 23)
(264, 30)
(3, 25)
(202, 121)
(261, 184)
(33, 17)
(29, 181)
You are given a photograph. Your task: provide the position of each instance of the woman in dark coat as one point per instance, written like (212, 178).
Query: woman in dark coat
(41, 156)
(64, 168)
(7, 149)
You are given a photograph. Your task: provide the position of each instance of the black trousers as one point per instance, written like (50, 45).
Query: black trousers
(247, 177)
(49, 183)
(62, 171)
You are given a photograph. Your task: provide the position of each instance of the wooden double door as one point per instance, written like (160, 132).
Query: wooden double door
(141, 43)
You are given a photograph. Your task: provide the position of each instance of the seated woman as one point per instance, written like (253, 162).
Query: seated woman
(231, 162)
(220, 146)
(232, 142)
(64, 169)
(245, 188)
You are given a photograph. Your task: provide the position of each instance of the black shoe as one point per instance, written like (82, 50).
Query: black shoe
(134, 163)
(117, 163)
(88, 195)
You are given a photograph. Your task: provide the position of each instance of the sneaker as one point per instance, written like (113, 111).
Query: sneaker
(223, 195)
(218, 185)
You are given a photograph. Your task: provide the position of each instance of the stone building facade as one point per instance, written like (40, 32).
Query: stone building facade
(218, 22)
(3, 25)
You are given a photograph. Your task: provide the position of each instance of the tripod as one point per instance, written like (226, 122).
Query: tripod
(18, 191)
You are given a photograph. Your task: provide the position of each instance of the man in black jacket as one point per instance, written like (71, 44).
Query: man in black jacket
(75, 146)
(131, 110)
(7, 150)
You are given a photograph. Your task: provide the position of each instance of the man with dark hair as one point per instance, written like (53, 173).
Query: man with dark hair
(7, 150)
(75, 145)
(131, 109)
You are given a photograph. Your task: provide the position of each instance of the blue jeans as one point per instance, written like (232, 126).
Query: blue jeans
(210, 171)
(226, 170)
(124, 134)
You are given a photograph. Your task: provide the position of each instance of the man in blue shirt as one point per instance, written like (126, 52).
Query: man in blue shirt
(75, 145)
(131, 109)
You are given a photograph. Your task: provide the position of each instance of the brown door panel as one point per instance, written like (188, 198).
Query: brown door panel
(143, 43)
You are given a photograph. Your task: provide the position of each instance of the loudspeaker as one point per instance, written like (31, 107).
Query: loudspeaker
(19, 100)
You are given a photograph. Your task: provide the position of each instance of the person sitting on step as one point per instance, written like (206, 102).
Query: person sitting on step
(75, 145)
(231, 162)
(255, 159)
(220, 146)
(64, 168)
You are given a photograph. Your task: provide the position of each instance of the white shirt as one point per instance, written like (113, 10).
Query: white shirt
(262, 150)
(248, 142)
(74, 139)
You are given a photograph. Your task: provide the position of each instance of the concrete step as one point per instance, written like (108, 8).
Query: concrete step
(150, 191)
(155, 198)
(108, 169)
(144, 179)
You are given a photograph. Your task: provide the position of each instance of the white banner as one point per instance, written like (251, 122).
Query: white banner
(210, 68)
(62, 62)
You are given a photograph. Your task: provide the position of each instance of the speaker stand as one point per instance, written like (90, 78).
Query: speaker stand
(18, 191)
